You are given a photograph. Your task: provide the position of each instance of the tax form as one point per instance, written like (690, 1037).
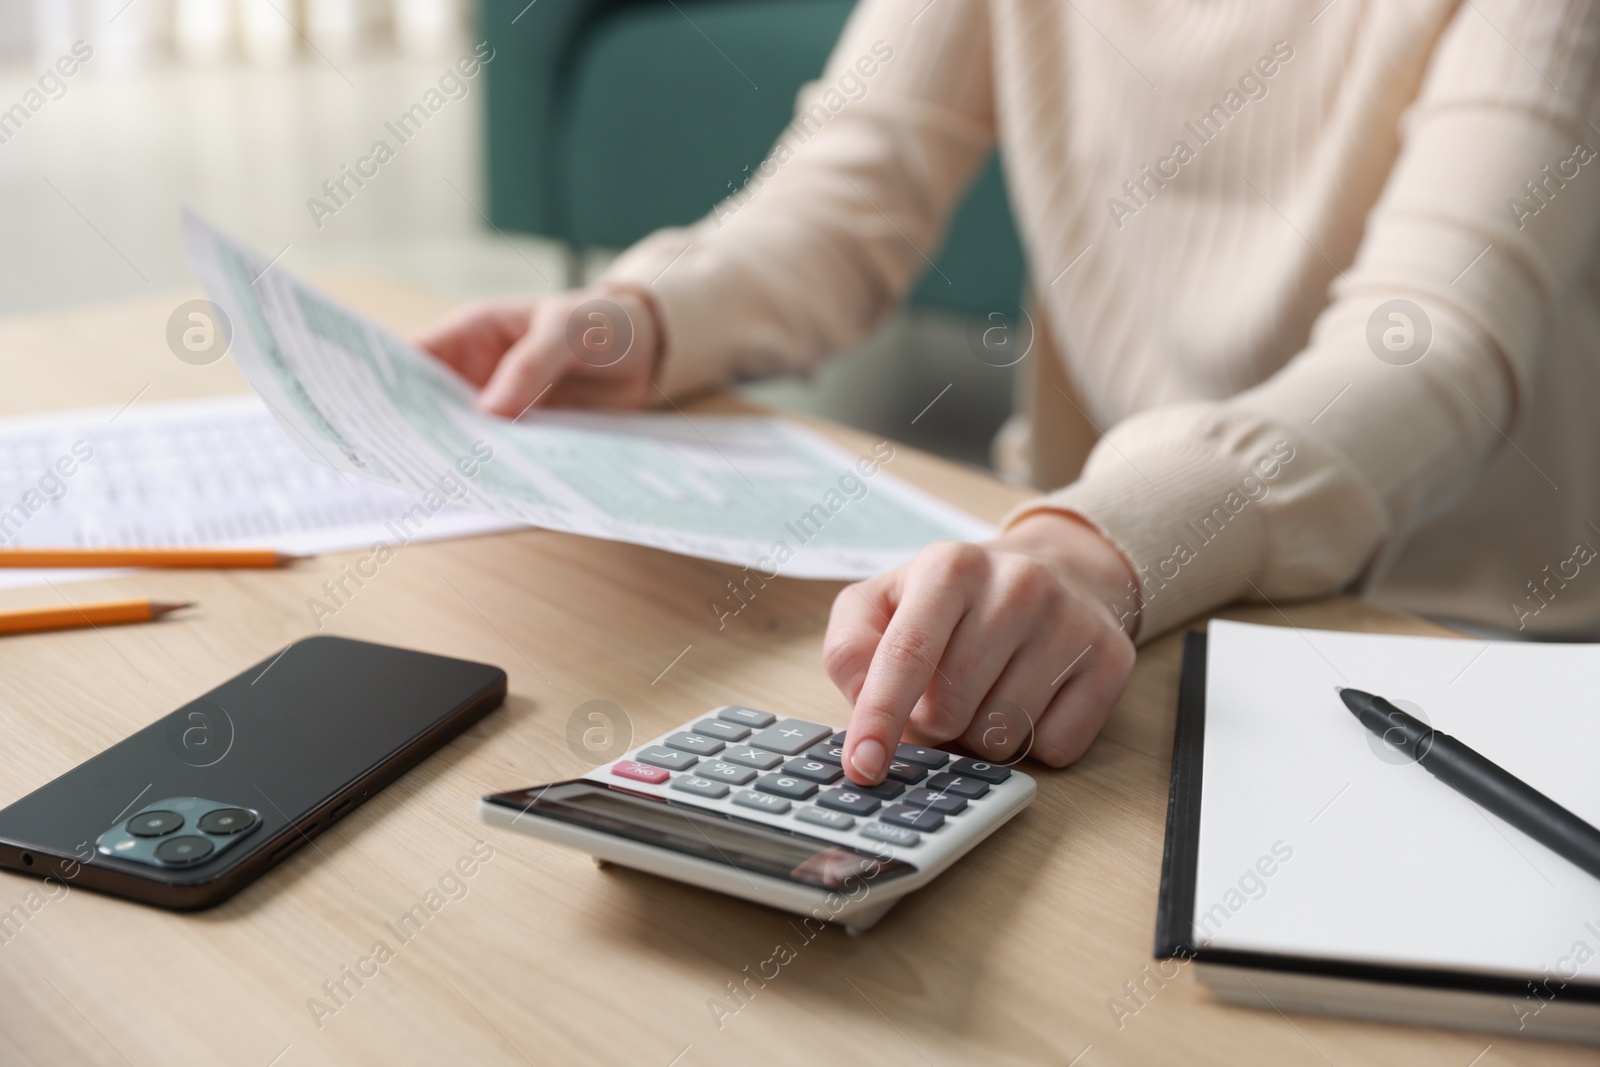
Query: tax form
(746, 490)
(212, 472)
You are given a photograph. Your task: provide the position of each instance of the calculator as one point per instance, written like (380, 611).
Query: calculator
(757, 806)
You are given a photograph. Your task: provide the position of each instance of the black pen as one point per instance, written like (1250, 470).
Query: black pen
(1496, 790)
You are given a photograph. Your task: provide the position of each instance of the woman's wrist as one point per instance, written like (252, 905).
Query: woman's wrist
(1080, 553)
(640, 304)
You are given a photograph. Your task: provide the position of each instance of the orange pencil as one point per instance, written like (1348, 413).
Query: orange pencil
(144, 557)
(106, 613)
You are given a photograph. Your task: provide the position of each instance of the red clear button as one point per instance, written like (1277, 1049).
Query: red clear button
(641, 772)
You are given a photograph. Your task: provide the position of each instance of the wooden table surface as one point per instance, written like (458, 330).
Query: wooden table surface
(1011, 957)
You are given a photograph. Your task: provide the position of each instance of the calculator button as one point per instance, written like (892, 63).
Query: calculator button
(747, 717)
(908, 773)
(987, 772)
(790, 736)
(894, 835)
(761, 761)
(815, 770)
(851, 800)
(699, 744)
(700, 787)
(912, 818)
(784, 786)
(833, 820)
(761, 802)
(884, 791)
(657, 756)
(628, 768)
(827, 752)
(837, 739)
(926, 757)
(725, 772)
(942, 803)
(722, 731)
(957, 786)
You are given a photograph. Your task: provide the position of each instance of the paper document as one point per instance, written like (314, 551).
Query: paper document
(1318, 840)
(752, 491)
(192, 472)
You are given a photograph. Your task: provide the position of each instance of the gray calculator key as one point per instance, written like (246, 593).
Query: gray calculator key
(901, 771)
(912, 818)
(957, 786)
(722, 731)
(814, 770)
(827, 752)
(927, 757)
(849, 799)
(700, 787)
(699, 744)
(750, 757)
(837, 739)
(747, 717)
(719, 771)
(790, 736)
(761, 802)
(987, 772)
(784, 786)
(833, 820)
(657, 756)
(894, 835)
(943, 803)
(887, 790)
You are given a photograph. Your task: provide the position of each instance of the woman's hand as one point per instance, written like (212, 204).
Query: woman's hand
(588, 348)
(1010, 647)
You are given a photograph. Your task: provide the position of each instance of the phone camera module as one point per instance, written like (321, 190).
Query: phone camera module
(190, 848)
(154, 823)
(227, 821)
(179, 832)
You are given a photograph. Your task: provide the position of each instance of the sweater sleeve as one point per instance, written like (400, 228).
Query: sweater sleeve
(1311, 480)
(830, 231)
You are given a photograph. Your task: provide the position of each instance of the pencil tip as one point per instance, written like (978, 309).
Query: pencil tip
(159, 608)
(286, 558)
(1338, 689)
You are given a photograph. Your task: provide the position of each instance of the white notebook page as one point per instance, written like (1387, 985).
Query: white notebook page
(1316, 841)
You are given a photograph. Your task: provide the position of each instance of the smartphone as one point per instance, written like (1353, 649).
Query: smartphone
(197, 805)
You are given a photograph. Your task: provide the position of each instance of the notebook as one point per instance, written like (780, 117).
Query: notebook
(1310, 867)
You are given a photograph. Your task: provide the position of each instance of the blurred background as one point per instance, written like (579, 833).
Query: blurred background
(595, 122)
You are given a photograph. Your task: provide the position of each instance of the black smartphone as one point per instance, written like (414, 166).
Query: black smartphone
(195, 806)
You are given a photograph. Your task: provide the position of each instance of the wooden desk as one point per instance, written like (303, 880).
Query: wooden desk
(1011, 957)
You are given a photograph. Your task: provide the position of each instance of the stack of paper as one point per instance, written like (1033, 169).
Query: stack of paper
(194, 472)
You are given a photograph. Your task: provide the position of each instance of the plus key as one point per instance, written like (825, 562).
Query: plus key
(789, 736)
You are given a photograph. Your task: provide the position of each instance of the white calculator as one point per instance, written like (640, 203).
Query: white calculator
(759, 807)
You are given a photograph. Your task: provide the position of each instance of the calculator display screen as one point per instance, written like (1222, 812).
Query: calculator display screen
(709, 835)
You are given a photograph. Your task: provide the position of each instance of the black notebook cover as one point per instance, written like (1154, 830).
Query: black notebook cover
(1180, 861)
(1175, 909)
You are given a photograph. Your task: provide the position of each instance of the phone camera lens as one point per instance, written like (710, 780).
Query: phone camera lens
(227, 821)
(186, 849)
(154, 823)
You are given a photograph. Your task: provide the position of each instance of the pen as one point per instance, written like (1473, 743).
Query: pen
(144, 557)
(31, 620)
(1480, 781)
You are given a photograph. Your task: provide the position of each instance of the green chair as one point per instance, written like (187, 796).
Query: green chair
(608, 119)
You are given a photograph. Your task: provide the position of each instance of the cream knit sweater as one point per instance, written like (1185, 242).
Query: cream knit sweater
(1219, 199)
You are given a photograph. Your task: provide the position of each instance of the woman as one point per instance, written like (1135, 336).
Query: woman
(1325, 274)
